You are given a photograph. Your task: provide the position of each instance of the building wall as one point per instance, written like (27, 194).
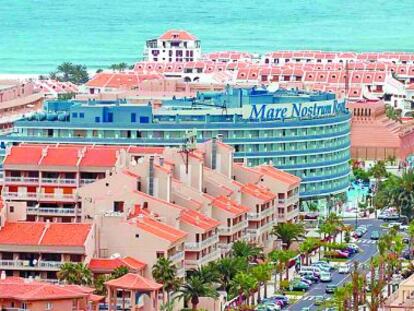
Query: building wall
(15, 90)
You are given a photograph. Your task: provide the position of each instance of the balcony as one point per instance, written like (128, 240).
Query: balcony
(85, 181)
(21, 180)
(192, 263)
(255, 232)
(178, 256)
(203, 244)
(39, 196)
(290, 200)
(235, 228)
(25, 265)
(257, 216)
(59, 181)
(51, 211)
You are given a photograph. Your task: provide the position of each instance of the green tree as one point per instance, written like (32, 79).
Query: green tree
(228, 267)
(68, 72)
(208, 273)
(281, 258)
(118, 272)
(99, 284)
(194, 288)
(410, 232)
(262, 273)
(243, 284)
(165, 272)
(246, 250)
(288, 232)
(75, 273)
(307, 247)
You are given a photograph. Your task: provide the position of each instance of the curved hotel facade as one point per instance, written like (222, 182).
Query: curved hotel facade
(306, 134)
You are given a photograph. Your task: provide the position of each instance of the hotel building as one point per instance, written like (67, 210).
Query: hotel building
(303, 133)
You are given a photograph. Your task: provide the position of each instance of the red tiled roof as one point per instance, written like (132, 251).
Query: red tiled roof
(177, 34)
(257, 191)
(23, 155)
(229, 205)
(107, 265)
(20, 289)
(134, 282)
(199, 220)
(286, 178)
(44, 234)
(158, 229)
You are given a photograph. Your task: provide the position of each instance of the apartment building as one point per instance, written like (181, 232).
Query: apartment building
(39, 249)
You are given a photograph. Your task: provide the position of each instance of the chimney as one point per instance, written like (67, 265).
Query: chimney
(151, 176)
(213, 153)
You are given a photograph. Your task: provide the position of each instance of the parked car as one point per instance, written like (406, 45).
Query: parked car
(354, 247)
(344, 268)
(311, 277)
(307, 269)
(268, 307)
(362, 228)
(305, 280)
(299, 286)
(326, 277)
(325, 264)
(341, 254)
(321, 266)
(330, 289)
(318, 300)
(375, 235)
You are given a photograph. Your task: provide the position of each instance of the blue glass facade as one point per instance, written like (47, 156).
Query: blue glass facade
(306, 134)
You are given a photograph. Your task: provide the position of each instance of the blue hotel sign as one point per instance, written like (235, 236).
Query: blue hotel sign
(307, 110)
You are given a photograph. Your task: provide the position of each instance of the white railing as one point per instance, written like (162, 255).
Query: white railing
(27, 180)
(234, 228)
(178, 256)
(85, 181)
(205, 259)
(255, 216)
(292, 199)
(54, 265)
(199, 245)
(50, 210)
(62, 181)
(38, 196)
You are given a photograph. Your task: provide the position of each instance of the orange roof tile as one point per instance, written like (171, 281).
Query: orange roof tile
(42, 234)
(286, 178)
(107, 265)
(230, 206)
(257, 191)
(134, 282)
(199, 220)
(23, 155)
(158, 229)
(177, 34)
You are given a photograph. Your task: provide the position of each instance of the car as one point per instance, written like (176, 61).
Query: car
(274, 305)
(330, 289)
(359, 233)
(396, 225)
(278, 298)
(299, 286)
(362, 228)
(305, 280)
(326, 277)
(344, 268)
(391, 217)
(375, 235)
(341, 254)
(305, 309)
(354, 247)
(321, 266)
(268, 307)
(311, 277)
(309, 269)
(406, 240)
(325, 264)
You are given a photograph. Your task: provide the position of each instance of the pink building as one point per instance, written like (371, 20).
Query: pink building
(24, 294)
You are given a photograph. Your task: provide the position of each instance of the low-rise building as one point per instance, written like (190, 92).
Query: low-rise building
(39, 249)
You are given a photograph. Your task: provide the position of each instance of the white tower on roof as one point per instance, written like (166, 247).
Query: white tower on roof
(173, 46)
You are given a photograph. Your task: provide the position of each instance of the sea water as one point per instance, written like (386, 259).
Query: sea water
(37, 35)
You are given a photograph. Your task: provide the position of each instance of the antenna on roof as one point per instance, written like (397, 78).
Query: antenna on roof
(189, 145)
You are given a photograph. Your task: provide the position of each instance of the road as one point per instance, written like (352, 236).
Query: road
(368, 249)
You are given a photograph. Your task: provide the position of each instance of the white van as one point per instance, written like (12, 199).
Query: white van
(310, 269)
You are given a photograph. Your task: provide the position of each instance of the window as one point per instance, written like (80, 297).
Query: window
(74, 114)
(119, 206)
(11, 209)
(81, 115)
(110, 117)
(49, 306)
(144, 119)
(97, 119)
(133, 117)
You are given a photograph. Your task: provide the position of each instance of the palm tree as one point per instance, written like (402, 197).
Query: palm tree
(243, 284)
(246, 250)
(281, 258)
(378, 171)
(99, 284)
(194, 288)
(227, 268)
(307, 247)
(287, 232)
(410, 231)
(75, 273)
(208, 273)
(66, 69)
(263, 274)
(165, 272)
(118, 272)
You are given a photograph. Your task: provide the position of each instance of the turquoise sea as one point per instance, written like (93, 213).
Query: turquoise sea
(36, 35)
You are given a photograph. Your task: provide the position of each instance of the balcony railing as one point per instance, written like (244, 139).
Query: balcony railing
(26, 180)
(205, 259)
(291, 200)
(237, 227)
(50, 210)
(38, 196)
(85, 181)
(59, 181)
(178, 256)
(36, 180)
(25, 264)
(256, 216)
(200, 245)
